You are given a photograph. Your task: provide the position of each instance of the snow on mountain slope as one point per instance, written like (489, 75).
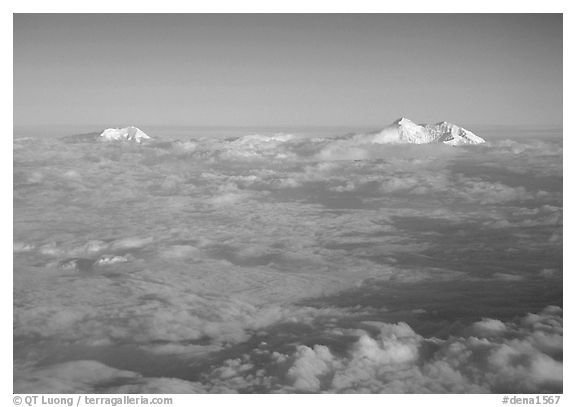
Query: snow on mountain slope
(129, 133)
(452, 134)
(405, 131)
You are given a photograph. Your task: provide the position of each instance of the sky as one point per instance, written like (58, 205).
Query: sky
(287, 70)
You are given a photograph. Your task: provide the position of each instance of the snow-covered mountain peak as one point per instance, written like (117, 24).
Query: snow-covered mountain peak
(405, 131)
(129, 133)
(403, 121)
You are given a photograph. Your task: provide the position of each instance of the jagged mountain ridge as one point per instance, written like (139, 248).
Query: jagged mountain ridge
(129, 133)
(405, 131)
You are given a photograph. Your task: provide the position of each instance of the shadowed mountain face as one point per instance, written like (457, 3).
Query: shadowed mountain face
(259, 261)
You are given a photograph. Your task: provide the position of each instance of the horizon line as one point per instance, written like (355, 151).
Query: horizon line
(269, 126)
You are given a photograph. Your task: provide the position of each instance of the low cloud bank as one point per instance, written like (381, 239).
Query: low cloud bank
(490, 356)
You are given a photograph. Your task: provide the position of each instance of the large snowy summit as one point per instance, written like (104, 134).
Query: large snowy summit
(129, 133)
(405, 131)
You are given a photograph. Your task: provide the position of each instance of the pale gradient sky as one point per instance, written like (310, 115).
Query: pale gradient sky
(287, 70)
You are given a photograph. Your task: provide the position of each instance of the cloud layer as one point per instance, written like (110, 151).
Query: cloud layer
(200, 249)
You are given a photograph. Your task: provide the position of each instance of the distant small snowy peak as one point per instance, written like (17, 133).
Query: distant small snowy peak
(130, 133)
(405, 131)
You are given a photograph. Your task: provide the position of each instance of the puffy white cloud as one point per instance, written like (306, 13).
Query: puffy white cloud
(488, 327)
(516, 357)
(309, 367)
